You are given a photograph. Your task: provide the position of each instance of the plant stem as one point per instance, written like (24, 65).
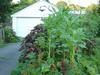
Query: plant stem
(49, 40)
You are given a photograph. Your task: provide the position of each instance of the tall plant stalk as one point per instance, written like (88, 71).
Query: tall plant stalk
(49, 44)
(72, 54)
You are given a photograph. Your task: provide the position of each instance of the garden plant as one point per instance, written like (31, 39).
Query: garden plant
(63, 45)
(10, 36)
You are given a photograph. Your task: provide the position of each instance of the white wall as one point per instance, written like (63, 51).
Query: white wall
(23, 26)
(14, 23)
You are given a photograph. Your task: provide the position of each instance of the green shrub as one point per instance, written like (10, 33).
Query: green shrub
(10, 36)
(97, 53)
(65, 28)
(91, 24)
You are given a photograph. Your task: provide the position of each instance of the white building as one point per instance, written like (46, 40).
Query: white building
(24, 21)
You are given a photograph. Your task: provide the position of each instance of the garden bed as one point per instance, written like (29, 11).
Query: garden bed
(61, 46)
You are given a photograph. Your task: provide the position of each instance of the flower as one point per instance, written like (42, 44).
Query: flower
(31, 49)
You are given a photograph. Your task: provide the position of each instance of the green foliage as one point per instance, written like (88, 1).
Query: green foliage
(61, 4)
(98, 10)
(4, 9)
(41, 42)
(21, 5)
(59, 46)
(1, 43)
(27, 2)
(64, 28)
(91, 23)
(97, 53)
(10, 35)
(94, 19)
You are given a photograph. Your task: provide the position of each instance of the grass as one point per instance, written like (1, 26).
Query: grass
(1, 43)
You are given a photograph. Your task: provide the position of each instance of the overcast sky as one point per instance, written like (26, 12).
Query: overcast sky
(84, 3)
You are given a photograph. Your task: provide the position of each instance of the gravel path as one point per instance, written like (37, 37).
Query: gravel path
(9, 58)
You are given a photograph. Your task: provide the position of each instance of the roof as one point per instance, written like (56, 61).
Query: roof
(38, 9)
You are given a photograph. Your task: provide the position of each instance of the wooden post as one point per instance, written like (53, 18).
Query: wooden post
(0, 34)
(3, 34)
(2, 31)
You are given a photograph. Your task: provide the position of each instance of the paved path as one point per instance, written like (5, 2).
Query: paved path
(9, 58)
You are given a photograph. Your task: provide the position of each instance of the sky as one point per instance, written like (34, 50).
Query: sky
(83, 3)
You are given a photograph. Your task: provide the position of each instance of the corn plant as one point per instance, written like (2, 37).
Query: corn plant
(64, 29)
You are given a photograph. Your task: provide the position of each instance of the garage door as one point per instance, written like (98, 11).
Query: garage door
(25, 25)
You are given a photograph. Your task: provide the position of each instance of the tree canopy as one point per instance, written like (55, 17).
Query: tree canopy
(99, 7)
(22, 4)
(4, 9)
(61, 4)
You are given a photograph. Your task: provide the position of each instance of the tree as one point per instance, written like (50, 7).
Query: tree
(4, 13)
(99, 7)
(92, 7)
(21, 5)
(4, 10)
(99, 14)
(61, 4)
(27, 2)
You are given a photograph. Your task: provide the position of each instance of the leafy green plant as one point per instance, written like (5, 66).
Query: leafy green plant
(91, 24)
(62, 28)
(10, 36)
(56, 47)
